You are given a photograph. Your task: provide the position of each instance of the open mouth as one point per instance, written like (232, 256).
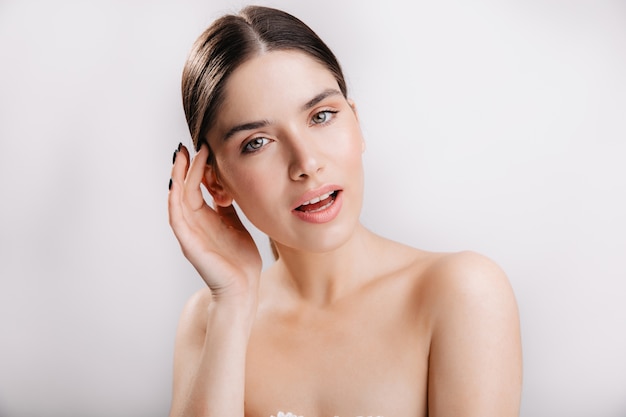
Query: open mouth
(318, 203)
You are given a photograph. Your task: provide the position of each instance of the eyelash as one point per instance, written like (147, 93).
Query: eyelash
(247, 146)
(248, 149)
(332, 114)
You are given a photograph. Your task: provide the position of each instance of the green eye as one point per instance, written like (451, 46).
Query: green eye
(255, 144)
(323, 117)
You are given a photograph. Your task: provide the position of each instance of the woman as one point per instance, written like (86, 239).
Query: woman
(345, 322)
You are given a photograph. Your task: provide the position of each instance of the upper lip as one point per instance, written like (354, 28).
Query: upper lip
(311, 194)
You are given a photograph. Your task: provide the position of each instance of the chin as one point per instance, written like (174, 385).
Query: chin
(302, 235)
(319, 240)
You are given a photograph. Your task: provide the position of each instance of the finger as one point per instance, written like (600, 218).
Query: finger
(181, 162)
(183, 218)
(174, 199)
(198, 164)
(184, 151)
(195, 175)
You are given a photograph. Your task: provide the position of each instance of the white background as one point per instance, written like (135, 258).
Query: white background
(495, 126)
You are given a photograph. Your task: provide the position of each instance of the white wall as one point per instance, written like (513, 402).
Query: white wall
(497, 126)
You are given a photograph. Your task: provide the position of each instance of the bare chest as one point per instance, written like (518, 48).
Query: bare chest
(370, 361)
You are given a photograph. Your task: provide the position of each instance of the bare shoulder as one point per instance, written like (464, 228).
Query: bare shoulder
(475, 345)
(199, 300)
(192, 323)
(191, 330)
(190, 337)
(194, 315)
(465, 265)
(454, 279)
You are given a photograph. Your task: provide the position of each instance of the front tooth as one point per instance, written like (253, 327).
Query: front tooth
(317, 199)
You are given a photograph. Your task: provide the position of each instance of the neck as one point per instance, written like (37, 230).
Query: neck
(322, 278)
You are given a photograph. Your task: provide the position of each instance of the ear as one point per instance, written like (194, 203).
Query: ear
(353, 106)
(356, 114)
(211, 181)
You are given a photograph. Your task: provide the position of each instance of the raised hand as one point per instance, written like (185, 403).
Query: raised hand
(213, 239)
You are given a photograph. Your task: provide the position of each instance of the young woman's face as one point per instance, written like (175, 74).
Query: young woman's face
(284, 138)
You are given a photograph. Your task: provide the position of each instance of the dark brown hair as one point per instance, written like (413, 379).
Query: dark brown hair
(229, 42)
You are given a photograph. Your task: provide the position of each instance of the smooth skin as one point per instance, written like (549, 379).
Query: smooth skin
(346, 322)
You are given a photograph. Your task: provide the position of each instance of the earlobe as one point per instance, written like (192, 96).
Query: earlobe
(220, 195)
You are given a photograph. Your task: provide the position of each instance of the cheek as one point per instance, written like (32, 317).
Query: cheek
(255, 194)
(350, 148)
(247, 186)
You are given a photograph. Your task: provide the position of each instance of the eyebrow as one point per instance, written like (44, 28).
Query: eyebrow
(245, 126)
(262, 123)
(321, 96)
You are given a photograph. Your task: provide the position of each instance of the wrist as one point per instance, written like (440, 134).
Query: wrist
(233, 309)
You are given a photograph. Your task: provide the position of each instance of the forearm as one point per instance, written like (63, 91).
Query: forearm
(217, 388)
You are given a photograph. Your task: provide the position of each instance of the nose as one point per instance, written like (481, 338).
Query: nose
(305, 160)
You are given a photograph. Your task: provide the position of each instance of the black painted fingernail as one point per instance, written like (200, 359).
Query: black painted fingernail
(180, 145)
(174, 157)
(169, 187)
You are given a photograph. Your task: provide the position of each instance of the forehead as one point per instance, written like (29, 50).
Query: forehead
(276, 81)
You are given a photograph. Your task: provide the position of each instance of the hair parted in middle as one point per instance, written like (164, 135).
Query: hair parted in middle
(229, 42)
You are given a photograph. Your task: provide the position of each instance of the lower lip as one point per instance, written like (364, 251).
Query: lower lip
(322, 216)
